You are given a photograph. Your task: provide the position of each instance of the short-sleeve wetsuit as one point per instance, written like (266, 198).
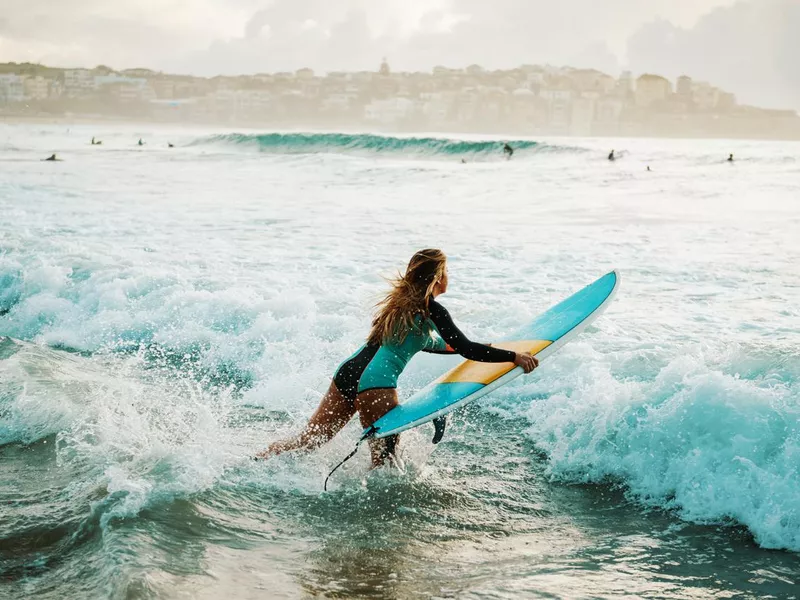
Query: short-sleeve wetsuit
(377, 366)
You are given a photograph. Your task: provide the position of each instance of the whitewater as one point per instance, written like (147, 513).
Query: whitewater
(165, 313)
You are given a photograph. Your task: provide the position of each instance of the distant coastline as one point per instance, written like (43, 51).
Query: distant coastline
(530, 100)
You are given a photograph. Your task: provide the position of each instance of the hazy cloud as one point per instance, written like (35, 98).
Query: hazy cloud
(354, 34)
(165, 33)
(122, 33)
(752, 48)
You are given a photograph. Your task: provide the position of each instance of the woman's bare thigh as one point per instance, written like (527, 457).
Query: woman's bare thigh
(373, 404)
(333, 413)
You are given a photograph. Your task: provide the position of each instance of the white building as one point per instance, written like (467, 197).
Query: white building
(609, 110)
(98, 81)
(651, 89)
(591, 80)
(182, 108)
(338, 76)
(263, 77)
(559, 105)
(467, 104)
(555, 95)
(164, 88)
(11, 88)
(223, 100)
(363, 76)
(552, 71)
(534, 78)
(704, 95)
(252, 100)
(337, 102)
(440, 71)
(133, 93)
(582, 117)
(37, 88)
(625, 84)
(725, 100)
(684, 86)
(78, 81)
(436, 111)
(389, 111)
(523, 93)
(525, 106)
(126, 89)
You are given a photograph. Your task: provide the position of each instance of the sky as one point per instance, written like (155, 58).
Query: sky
(748, 47)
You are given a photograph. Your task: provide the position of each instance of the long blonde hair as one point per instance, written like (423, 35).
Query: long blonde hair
(397, 312)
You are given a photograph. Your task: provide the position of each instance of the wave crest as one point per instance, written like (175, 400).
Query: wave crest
(699, 438)
(344, 143)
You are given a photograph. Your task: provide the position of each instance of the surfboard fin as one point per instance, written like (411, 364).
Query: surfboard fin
(439, 424)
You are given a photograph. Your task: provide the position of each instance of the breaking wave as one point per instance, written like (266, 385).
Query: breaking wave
(343, 143)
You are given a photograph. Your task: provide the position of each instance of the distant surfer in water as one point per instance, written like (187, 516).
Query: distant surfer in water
(52, 157)
(96, 142)
(509, 151)
(408, 320)
(611, 156)
(141, 143)
(170, 145)
(730, 158)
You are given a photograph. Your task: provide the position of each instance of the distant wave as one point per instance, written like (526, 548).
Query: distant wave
(344, 143)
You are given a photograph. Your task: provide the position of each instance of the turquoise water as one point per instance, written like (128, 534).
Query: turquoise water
(371, 144)
(165, 313)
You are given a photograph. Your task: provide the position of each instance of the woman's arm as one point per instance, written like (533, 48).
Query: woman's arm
(462, 345)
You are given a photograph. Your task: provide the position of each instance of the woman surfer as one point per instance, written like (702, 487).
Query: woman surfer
(409, 320)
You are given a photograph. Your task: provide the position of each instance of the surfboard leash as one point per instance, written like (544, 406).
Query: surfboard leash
(367, 434)
(344, 460)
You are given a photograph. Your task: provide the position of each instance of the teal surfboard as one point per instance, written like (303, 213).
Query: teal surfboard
(470, 380)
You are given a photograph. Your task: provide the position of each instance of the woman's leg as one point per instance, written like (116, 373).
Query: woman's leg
(371, 406)
(333, 413)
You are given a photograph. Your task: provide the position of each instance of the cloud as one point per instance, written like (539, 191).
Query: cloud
(354, 34)
(291, 35)
(122, 33)
(596, 55)
(417, 34)
(751, 48)
(235, 36)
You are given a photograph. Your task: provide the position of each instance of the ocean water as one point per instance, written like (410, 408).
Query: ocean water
(165, 313)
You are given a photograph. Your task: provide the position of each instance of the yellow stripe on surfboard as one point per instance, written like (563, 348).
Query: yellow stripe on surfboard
(480, 372)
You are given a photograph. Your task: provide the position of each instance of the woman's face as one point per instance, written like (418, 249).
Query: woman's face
(441, 287)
